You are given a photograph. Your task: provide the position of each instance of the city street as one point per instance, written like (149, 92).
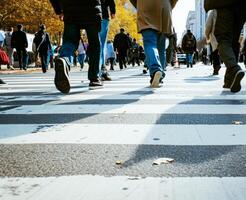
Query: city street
(105, 144)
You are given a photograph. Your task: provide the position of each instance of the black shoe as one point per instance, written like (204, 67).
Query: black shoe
(93, 85)
(145, 71)
(61, 76)
(236, 83)
(106, 77)
(2, 82)
(216, 70)
(155, 79)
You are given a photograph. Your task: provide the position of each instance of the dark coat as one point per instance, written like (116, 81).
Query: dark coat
(216, 4)
(45, 39)
(189, 43)
(106, 6)
(19, 40)
(121, 42)
(81, 12)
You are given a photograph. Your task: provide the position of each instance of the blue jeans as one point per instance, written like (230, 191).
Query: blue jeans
(103, 39)
(154, 46)
(189, 58)
(71, 39)
(81, 59)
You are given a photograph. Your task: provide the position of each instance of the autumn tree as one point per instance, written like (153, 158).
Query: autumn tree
(32, 13)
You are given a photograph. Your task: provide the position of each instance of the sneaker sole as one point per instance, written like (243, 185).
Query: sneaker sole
(236, 84)
(61, 77)
(156, 80)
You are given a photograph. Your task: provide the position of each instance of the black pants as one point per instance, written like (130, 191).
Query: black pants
(111, 61)
(215, 58)
(44, 60)
(228, 28)
(71, 39)
(22, 57)
(122, 53)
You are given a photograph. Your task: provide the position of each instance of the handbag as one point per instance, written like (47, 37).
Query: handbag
(4, 59)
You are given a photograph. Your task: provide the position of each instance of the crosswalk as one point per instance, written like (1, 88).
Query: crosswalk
(101, 144)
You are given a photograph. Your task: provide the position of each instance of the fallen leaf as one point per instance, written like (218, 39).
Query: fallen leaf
(118, 162)
(160, 161)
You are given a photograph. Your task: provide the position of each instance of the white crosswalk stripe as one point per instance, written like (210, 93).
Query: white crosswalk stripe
(100, 145)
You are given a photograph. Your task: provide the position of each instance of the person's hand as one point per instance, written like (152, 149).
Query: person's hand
(112, 16)
(61, 17)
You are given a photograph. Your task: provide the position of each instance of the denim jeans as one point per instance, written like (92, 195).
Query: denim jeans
(189, 58)
(71, 39)
(154, 46)
(81, 59)
(103, 39)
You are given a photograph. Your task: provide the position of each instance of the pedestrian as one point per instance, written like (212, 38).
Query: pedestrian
(110, 55)
(211, 39)
(9, 49)
(82, 52)
(2, 37)
(231, 17)
(20, 43)
(135, 53)
(107, 5)
(244, 52)
(171, 50)
(154, 18)
(78, 15)
(121, 45)
(189, 47)
(43, 46)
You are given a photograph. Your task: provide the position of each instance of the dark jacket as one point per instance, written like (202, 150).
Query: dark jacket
(19, 40)
(216, 4)
(121, 42)
(43, 37)
(106, 6)
(189, 43)
(81, 12)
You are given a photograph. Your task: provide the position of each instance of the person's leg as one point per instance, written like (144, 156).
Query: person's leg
(120, 57)
(111, 60)
(161, 45)
(81, 59)
(71, 38)
(10, 54)
(191, 60)
(94, 51)
(150, 40)
(44, 61)
(24, 58)
(227, 31)
(187, 60)
(103, 40)
(19, 55)
(216, 61)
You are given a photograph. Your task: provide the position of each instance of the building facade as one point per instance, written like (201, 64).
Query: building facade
(191, 22)
(201, 17)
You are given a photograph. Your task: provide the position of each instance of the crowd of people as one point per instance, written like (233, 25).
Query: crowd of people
(154, 21)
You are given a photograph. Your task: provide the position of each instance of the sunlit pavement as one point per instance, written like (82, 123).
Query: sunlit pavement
(105, 144)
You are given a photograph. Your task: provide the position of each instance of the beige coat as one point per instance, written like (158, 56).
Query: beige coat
(209, 29)
(155, 14)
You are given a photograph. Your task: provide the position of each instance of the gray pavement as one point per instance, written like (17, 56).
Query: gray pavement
(118, 131)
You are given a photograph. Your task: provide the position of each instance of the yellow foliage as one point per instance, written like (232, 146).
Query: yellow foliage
(125, 18)
(32, 13)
